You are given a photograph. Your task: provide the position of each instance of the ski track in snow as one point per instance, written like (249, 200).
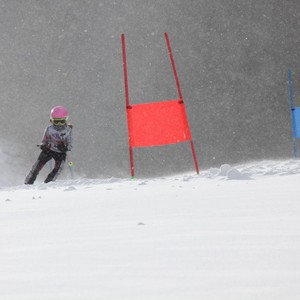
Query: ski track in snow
(225, 172)
(228, 233)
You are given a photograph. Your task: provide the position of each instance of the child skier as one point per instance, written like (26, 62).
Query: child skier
(57, 140)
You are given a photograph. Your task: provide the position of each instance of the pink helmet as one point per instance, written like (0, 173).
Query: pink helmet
(59, 112)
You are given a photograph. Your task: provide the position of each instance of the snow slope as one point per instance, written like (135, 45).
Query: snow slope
(229, 233)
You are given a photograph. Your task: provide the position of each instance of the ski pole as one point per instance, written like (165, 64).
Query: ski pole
(70, 165)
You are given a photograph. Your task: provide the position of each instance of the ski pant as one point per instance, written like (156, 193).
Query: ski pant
(43, 158)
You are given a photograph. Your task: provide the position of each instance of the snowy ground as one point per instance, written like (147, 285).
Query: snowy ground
(229, 233)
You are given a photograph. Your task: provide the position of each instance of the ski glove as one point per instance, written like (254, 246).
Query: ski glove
(63, 148)
(44, 147)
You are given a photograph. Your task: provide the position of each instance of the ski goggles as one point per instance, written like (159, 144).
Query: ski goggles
(60, 122)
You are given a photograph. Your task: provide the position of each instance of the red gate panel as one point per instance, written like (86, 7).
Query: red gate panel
(158, 123)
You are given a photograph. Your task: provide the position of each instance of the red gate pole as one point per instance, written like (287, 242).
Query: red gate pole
(127, 102)
(194, 156)
(180, 94)
(173, 66)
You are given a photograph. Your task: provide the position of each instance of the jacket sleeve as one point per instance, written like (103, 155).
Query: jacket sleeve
(45, 138)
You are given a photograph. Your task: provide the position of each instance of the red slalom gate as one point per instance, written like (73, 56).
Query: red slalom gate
(156, 123)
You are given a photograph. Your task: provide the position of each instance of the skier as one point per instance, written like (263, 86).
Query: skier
(57, 140)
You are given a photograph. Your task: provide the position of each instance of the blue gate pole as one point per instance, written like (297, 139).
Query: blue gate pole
(292, 111)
